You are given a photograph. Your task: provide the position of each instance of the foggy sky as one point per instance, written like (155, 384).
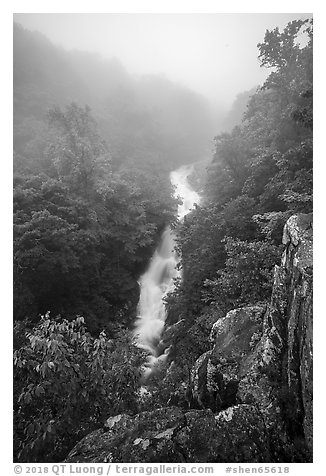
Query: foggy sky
(214, 53)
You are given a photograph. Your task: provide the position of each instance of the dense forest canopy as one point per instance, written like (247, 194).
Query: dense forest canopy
(92, 150)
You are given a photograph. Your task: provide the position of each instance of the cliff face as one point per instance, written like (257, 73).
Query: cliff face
(297, 266)
(253, 388)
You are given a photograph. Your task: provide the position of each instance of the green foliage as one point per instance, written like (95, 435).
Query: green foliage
(229, 167)
(199, 243)
(79, 155)
(280, 49)
(82, 233)
(247, 276)
(66, 383)
(272, 224)
(292, 78)
(166, 386)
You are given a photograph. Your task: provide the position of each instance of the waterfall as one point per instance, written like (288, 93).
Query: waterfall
(160, 276)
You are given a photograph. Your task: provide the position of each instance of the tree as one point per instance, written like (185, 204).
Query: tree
(54, 248)
(247, 276)
(228, 170)
(80, 156)
(293, 65)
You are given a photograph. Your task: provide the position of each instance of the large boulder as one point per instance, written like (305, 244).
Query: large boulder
(216, 374)
(169, 435)
(146, 437)
(233, 435)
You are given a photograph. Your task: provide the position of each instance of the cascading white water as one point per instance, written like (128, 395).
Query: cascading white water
(159, 278)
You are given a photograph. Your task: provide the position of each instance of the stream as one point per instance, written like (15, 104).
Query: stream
(159, 279)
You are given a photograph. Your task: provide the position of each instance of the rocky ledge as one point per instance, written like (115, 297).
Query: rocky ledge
(252, 391)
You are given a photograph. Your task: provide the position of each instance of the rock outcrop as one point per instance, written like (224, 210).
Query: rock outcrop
(217, 373)
(170, 435)
(297, 265)
(253, 389)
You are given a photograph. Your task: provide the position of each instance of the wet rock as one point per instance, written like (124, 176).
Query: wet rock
(248, 439)
(146, 437)
(216, 373)
(233, 435)
(261, 372)
(168, 435)
(169, 334)
(298, 262)
(201, 395)
(199, 330)
(95, 447)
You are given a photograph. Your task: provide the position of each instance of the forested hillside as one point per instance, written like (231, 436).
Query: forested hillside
(260, 175)
(93, 148)
(91, 185)
(147, 122)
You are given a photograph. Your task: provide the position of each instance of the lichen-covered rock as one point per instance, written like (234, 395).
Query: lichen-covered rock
(261, 372)
(234, 435)
(199, 381)
(248, 439)
(216, 373)
(146, 437)
(245, 365)
(95, 446)
(170, 436)
(298, 262)
(297, 236)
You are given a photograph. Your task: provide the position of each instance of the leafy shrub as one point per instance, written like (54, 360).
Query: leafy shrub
(67, 383)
